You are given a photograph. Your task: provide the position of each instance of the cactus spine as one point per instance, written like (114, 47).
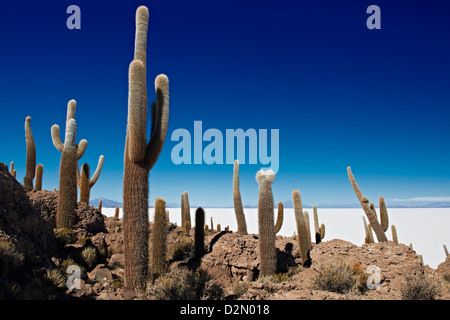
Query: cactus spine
(199, 239)
(84, 183)
(304, 240)
(31, 157)
(39, 174)
(140, 156)
(371, 214)
(267, 249)
(238, 209)
(280, 215)
(159, 238)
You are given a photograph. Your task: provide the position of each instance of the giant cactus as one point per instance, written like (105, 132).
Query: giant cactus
(238, 209)
(70, 154)
(267, 249)
(140, 156)
(370, 213)
(304, 239)
(84, 183)
(31, 157)
(159, 238)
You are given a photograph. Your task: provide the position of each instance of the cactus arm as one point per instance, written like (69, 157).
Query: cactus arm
(384, 219)
(371, 215)
(136, 127)
(81, 149)
(56, 138)
(96, 175)
(279, 222)
(78, 176)
(71, 108)
(161, 121)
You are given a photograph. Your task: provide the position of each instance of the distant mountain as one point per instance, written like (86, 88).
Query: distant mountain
(106, 203)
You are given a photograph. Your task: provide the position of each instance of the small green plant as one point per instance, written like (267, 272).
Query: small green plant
(89, 256)
(10, 258)
(56, 277)
(65, 235)
(240, 288)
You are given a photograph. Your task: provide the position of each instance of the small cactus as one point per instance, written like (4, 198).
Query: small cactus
(267, 249)
(39, 174)
(84, 183)
(185, 210)
(219, 228)
(394, 234)
(238, 209)
(116, 214)
(31, 157)
(100, 205)
(368, 232)
(12, 172)
(304, 240)
(319, 230)
(279, 222)
(199, 239)
(159, 238)
(445, 250)
(371, 214)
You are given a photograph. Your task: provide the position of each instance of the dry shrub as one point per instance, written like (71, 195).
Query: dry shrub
(420, 287)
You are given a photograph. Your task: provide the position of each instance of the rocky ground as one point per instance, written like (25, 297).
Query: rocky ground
(34, 257)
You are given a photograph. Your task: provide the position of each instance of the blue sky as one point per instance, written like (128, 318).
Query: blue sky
(340, 94)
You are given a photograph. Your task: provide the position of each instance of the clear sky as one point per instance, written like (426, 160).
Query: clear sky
(340, 94)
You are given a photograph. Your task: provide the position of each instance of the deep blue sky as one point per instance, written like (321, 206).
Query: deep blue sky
(340, 94)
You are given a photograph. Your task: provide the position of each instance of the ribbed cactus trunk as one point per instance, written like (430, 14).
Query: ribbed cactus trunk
(140, 156)
(384, 219)
(238, 208)
(199, 238)
(67, 198)
(304, 239)
(370, 213)
(31, 157)
(159, 238)
(267, 249)
(70, 154)
(39, 175)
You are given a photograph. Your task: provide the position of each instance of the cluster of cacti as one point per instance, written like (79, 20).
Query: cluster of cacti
(267, 249)
(159, 238)
(303, 235)
(70, 154)
(199, 238)
(369, 210)
(84, 183)
(185, 212)
(238, 208)
(318, 229)
(140, 156)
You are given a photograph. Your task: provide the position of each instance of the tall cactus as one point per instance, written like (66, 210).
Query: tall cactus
(308, 228)
(185, 211)
(159, 238)
(238, 208)
(84, 183)
(304, 240)
(140, 156)
(31, 157)
(199, 239)
(280, 217)
(384, 219)
(371, 214)
(267, 249)
(70, 154)
(39, 175)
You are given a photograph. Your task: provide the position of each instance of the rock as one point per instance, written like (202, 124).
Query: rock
(19, 220)
(100, 274)
(116, 260)
(127, 293)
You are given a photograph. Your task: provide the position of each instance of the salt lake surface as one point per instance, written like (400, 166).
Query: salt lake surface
(426, 228)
